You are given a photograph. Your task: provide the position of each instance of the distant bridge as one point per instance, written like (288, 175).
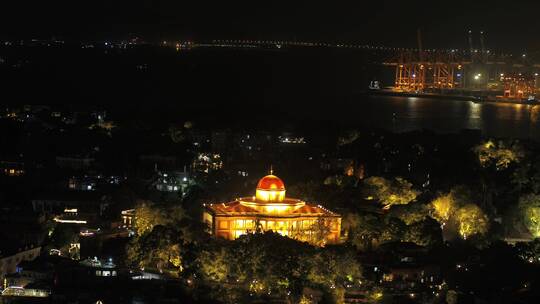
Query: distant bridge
(418, 69)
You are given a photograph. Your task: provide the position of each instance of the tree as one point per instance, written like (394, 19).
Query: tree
(376, 295)
(340, 181)
(362, 229)
(522, 178)
(500, 155)
(214, 264)
(63, 235)
(452, 297)
(148, 215)
(62, 238)
(159, 249)
(348, 137)
(162, 233)
(529, 251)
(333, 269)
(392, 230)
(267, 263)
(424, 233)
(471, 221)
(390, 192)
(443, 207)
(320, 230)
(529, 207)
(305, 300)
(409, 214)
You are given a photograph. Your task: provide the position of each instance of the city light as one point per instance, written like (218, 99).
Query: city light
(137, 156)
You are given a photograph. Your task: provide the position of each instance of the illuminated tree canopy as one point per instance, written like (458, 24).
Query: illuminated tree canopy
(368, 231)
(529, 206)
(471, 221)
(157, 249)
(268, 263)
(443, 207)
(161, 233)
(390, 192)
(147, 216)
(500, 154)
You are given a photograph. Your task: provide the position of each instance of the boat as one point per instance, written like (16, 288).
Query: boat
(374, 85)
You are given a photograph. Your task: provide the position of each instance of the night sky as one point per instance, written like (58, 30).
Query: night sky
(511, 25)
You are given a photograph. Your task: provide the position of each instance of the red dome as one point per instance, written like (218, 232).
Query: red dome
(271, 182)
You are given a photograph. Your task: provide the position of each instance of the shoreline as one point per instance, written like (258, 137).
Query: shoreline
(475, 99)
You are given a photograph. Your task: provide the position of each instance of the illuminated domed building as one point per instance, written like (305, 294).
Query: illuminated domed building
(270, 209)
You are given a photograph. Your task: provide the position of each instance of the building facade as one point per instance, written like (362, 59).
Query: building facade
(270, 209)
(10, 260)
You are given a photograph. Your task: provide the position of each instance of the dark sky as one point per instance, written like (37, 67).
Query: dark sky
(511, 25)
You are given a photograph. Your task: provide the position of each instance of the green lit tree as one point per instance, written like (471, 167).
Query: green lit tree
(529, 207)
(471, 221)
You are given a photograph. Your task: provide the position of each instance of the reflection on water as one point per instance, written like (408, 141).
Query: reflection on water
(402, 114)
(534, 114)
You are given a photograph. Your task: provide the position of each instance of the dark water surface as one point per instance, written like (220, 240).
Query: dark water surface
(402, 114)
(238, 86)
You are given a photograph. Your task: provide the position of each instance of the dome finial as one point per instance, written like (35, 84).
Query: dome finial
(271, 170)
